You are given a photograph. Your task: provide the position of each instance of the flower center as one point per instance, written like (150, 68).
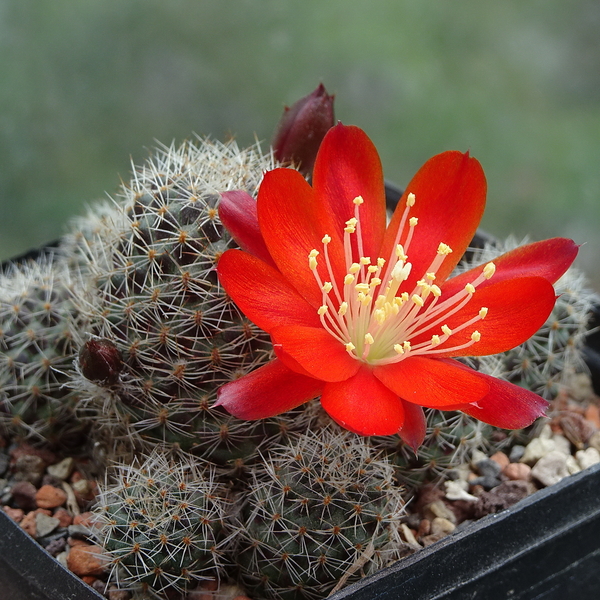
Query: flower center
(373, 316)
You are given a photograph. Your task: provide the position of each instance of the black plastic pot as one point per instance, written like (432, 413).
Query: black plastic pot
(28, 572)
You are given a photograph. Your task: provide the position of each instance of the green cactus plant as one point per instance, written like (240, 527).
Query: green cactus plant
(36, 353)
(323, 509)
(161, 522)
(149, 287)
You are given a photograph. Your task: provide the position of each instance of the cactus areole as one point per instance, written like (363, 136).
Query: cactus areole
(365, 315)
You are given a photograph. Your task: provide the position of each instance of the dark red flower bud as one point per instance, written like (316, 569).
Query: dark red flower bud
(100, 361)
(302, 128)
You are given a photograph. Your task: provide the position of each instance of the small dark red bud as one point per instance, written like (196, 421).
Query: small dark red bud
(100, 361)
(302, 128)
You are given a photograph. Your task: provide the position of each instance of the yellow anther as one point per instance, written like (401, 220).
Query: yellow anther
(350, 347)
(348, 279)
(404, 296)
(362, 287)
(354, 268)
(379, 301)
(444, 249)
(326, 239)
(399, 301)
(412, 222)
(379, 315)
(351, 225)
(430, 276)
(435, 290)
(398, 349)
(470, 288)
(313, 253)
(380, 262)
(373, 269)
(375, 281)
(417, 300)
(364, 299)
(322, 310)
(365, 260)
(483, 312)
(476, 336)
(312, 263)
(446, 330)
(400, 252)
(358, 200)
(435, 340)
(327, 287)
(410, 200)
(342, 309)
(406, 346)
(369, 338)
(489, 270)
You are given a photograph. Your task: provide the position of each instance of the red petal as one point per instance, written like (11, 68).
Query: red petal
(548, 259)
(363, 405)
(262, 293)
(317, 351)
(288, 361)
(517, 309)
(293, 222)
(432, 383)
(450, 191)
(506, 405)
(237, 211)
(348, 166)
(266, 392)
(415, 425)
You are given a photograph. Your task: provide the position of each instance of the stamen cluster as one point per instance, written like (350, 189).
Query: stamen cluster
(369, 312)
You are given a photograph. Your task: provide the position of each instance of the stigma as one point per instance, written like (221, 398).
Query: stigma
(376, 314)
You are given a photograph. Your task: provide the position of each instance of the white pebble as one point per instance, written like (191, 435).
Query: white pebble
(536, 449)
(587, 458)
(594, 441)
(455, 491)
(441, 526)
(551, 468)
(62, 469)
(408, 536)
(572, 465)
(478, 456)
(546, 432)
(562, 444)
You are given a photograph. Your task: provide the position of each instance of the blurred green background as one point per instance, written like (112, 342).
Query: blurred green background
(87, 86)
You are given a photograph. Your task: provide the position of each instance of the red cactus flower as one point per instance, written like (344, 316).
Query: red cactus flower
(365, 315)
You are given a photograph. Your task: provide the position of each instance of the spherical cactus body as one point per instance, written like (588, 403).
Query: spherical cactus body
(160, 521)
(149, 287)
(325, 510)
(36, 353)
